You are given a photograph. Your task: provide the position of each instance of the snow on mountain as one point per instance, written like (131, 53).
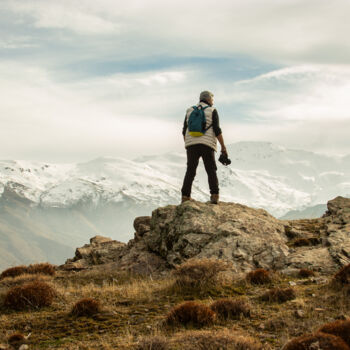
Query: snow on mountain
(261, 175)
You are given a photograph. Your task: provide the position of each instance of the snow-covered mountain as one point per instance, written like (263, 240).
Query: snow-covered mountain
(105, 194)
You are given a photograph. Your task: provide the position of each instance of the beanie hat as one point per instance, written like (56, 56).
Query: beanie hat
(205, 96)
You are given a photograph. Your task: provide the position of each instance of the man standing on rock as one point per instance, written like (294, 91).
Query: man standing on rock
(202, 143)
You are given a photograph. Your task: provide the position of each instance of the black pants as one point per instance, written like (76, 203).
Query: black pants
(195, 152)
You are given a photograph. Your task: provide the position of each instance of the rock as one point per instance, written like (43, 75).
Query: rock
(299, 314)
(248, 238)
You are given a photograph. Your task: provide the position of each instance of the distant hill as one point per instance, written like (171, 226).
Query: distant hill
(313, 212)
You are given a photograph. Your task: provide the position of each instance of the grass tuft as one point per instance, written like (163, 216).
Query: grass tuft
(86, 307)
(343, 275)
(217, 340)
(42, 268)
(259, 276)
(153, 343)
(190, 313)
(231, 308)
(32, 295)
(279, 295)
(199, 273)
(305, 273)
(316, 341)
(339, 328)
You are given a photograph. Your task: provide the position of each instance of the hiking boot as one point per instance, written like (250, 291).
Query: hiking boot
(185, 199)
(214, 199)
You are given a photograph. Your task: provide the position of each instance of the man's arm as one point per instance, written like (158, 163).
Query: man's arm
(184, 127)
(218, 132)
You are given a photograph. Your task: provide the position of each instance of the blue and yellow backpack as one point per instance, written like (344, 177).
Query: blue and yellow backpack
(197, 121)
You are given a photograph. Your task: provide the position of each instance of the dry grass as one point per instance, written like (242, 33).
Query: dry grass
(216, 340)
(153, 343)
(231, 308)
(86, 307)
(191, 314)
(305, 273)
(30, 295)
(200, 273)
(259, 276)
(279, 295)
(317, 341)
(338, 328)
(42, 268)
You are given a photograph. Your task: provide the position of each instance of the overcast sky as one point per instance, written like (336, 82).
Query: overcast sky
(82, 79)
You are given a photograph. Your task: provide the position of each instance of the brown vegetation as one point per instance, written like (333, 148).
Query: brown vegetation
(231, 308)
(217, 340)
(343, 275)
(86, 307)
(305, 273)
(196, 273)
(259, 276)
(338, 328)
(42, 268)
(153, 343)
(316, 341)
(190, 313)
(279, 295)
(30, 295)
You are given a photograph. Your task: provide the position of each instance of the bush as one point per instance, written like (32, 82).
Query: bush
(338, 328)
(259, 276)
(218, 340)
(199, 273)
(305, 273)
(231, 308)
(86, 307)
(153, 343)
(343, 275)
(316, 341)
(279, 295)
(42, 268)
(14, 271)
(190, 313)
(30, 295)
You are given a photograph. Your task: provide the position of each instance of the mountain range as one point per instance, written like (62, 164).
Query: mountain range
(46, 210)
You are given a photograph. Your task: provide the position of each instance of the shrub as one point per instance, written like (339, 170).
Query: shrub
(197, 273)
(42, 268)
(190, 313)
(86, 307)
(14, 271)
(30, 295)
(219, 340)
(231, 308)
(153, 343)
(305, 273)
(343, 275)
(316, 341)
(279, 295)
(338, 328)
(259, 276)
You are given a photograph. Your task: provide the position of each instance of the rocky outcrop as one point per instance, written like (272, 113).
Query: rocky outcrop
(247, 237)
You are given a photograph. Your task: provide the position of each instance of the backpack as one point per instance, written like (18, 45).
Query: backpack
(197, 121)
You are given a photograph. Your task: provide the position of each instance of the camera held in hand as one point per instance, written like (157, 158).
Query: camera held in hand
(224, 159)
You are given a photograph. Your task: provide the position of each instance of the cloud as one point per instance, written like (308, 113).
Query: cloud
(287, 32)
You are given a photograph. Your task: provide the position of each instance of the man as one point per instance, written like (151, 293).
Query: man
(203, 147)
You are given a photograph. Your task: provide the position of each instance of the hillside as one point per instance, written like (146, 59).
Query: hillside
(137, 288)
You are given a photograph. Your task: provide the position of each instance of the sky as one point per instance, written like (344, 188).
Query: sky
(84, 79)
